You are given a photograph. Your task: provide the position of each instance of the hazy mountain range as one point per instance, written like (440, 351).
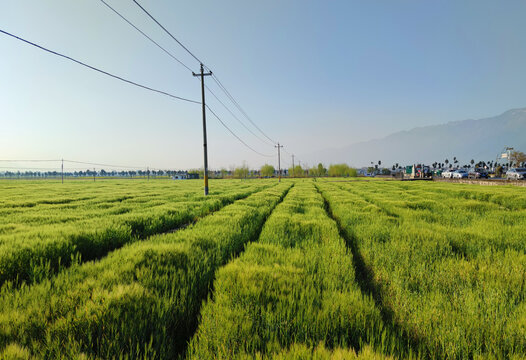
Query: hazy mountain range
(467, 139)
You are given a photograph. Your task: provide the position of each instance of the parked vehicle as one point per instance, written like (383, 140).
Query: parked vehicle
(477, 173)
(460, 174)
(448, 174)
(418, 171)
(516, 174)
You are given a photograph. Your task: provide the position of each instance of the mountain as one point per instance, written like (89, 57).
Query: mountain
(468, 139)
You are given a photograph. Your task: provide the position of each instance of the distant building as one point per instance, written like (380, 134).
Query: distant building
(180, 177)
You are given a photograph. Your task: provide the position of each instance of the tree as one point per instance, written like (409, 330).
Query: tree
(267, 170)
(241, 172)
(341, 170)
(517, 157)
(297, 171)
(321, 170)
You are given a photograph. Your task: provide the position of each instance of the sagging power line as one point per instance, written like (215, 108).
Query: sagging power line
(204, 106)
(146, 36)
(96, 69)
(166, 31)
(226, 127)
(233, 115)
(214, 77)
(183, 64)
(236, 104)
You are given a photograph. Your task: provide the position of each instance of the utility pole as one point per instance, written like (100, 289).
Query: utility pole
(202, 75)
(279, 161)
(62, 171)
(148, 171)
(292, 165)
(94, 174)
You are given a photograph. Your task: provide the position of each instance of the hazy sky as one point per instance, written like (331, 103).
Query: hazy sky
(310, 74)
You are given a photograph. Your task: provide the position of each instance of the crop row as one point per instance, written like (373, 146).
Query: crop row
(470, 225)
(292, 294)
(39, 240)
(452, 283)
(140, 301)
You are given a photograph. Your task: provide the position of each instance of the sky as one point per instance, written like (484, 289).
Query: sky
(310, 74)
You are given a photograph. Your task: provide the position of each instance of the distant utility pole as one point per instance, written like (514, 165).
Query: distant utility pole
(279, 161)
(148, 171)
(202, 75)
(94, 174)
(62, 171)
(292, 165)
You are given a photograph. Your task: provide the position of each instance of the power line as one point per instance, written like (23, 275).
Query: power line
(75, 162)
(213, 76)
(5, 160)
(107, 165)
(237, 137)
(180, 62)
(146, 36)
(235, 117)
(236, 104)
(99, 70)
(162, 27)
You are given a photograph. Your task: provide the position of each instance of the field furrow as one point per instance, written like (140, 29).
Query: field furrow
(140, 301)
(293, 292)
(442, 298)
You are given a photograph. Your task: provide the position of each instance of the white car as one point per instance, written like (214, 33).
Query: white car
(448, 174)
(516, 174)
(460, 174)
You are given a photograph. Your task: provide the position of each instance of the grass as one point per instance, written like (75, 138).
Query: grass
(45, 227)
(300, 270)
(141, 300)
(292, 289)
(446, 268)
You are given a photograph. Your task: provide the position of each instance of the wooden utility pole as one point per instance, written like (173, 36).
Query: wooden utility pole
(202, 75)
(279, 161)
(292, 165)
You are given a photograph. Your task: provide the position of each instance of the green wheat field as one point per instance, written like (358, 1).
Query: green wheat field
(301, 269)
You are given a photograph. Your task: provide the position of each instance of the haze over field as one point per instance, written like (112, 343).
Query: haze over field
(312, 75)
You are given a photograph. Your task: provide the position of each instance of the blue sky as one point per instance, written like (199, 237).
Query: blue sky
(310, 74)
